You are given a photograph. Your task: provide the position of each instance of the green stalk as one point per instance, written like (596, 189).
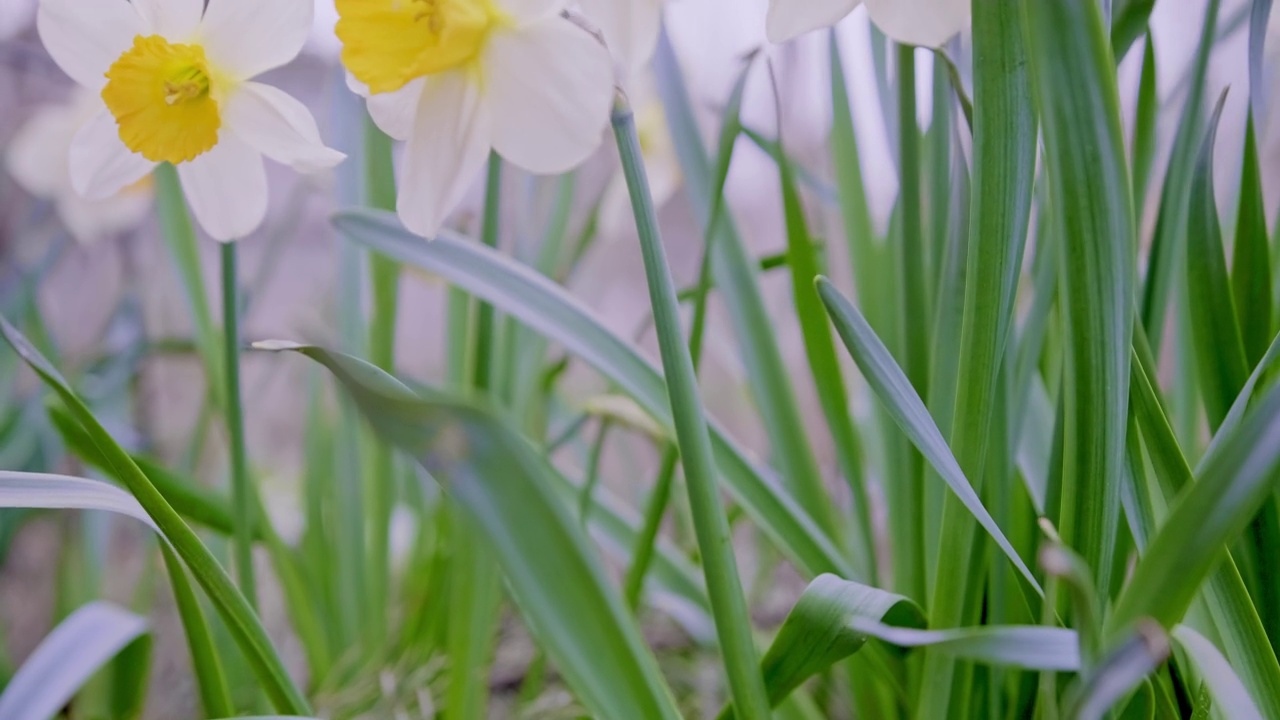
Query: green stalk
(1004, 147)
(729, 606)
(241, 491)
(474, 588)
(384, 282)
(913, 323)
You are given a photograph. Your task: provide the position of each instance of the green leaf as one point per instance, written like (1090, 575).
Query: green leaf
(1259, 14)
(1229, 694)
(1230, 487)
(70, 655)
(1074, 78)
(1219, 350)
(818, 633)
(1251, 259)
(234, 609)
(504, 486)
(1144, 128)
(550, 310)
(900, 399)
(1030, 647)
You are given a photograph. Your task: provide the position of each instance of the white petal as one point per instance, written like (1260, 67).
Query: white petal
(278, 126)
(174, 20)
(226, 189)
(447, 148)
(37, 155)
(393, 111)
(84, 38)
(100, 164)
(245, 38)
(790, 18)
(927, 23)
(550, 85)
(524, 11)
(630, 27)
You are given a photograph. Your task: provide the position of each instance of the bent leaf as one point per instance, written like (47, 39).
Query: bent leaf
(506, 488)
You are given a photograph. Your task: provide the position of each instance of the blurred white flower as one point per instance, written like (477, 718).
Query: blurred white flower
(660, 161)
(927, 23)
(403, 534)
(38, 159)
(323, 41)
(457, 78)
(630, 27)
(174, 84)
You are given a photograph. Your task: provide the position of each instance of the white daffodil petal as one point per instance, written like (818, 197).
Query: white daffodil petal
(630, 27)
(788, 19)
(245, 38)
(100, 164)
(393, 111)
(927, 23)
(226, 188)
(37, 155)
(550, 85)
(85, 38)
(278, 126)
(524, 11)
(174, 20)
(447, 148)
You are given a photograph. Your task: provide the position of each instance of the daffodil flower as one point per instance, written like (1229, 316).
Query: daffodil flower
(927, 23)
(173, 83)
(457, 78)
(37, 158)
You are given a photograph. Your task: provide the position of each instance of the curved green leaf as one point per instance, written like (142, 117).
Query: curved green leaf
(894, 390)
(232, 606)
(506, 488)
(67, 658)
(1123, 669)
(550, 310)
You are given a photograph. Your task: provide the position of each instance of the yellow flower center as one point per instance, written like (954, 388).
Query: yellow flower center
(161, 95)
(387, 43)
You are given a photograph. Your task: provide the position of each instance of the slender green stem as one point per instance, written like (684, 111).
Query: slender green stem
(484, 336)
(642, 555)
(914, 327)
(593, 471)
(724, 588)
(384, 284)
(241, 491)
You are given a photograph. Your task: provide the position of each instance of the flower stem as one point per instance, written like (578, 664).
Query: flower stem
(729, 606)
(241, 494)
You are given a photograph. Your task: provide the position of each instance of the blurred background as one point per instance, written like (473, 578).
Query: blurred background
(96, 285)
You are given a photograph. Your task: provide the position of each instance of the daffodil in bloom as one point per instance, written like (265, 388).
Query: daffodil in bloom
(458, 78)
(173, 83)
(927, 23)
(37, 158)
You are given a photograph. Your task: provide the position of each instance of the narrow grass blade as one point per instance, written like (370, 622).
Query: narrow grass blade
(235, 610)
(1219, 351)
(503, 485)
(1251, 257)
(819, 631)
(67, 658)
(550, 310)
(1030, 647)
(1144, 129)
(211, 682)
(1073, 73)
(895, 392)
(1230, 698)
(1259, 14)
